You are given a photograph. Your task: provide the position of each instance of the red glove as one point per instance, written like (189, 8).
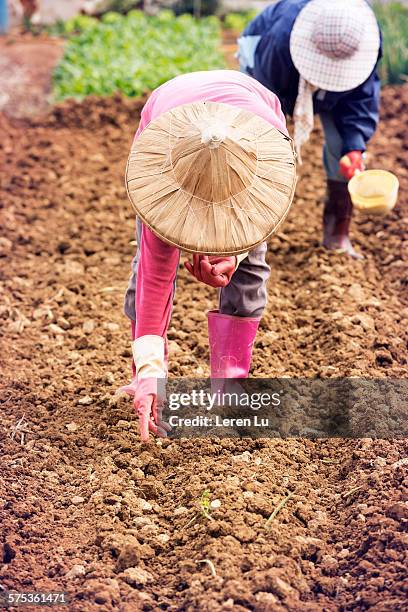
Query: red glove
(213, 271)
(149, 406)
(351, 163)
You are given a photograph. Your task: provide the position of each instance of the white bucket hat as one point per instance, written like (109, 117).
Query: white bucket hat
(334, 44)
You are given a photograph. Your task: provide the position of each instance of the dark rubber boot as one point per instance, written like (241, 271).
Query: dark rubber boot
(338, 210)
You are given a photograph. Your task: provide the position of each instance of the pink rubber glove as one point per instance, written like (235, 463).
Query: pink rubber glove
(213, 271)
(149, 406)
(351, 163)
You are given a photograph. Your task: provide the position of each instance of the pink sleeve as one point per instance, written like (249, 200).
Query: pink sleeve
(156, 274)
(157, 268)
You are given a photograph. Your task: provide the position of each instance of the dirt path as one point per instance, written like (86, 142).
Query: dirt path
(81, 500)
(26, 64)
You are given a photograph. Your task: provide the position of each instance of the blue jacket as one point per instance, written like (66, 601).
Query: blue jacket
(355, 112)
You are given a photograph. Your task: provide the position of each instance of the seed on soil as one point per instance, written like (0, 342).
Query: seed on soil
(136, 576)
(109, 378)
(329, 563)
(5, 244)
(245, 457)
(17, 327)
(85, 401)
(71, 268)
(181, 510)
(111, 290)
(77, 499)
(63, 323)
(342, 554)
(112, 326)
(42, 313)
(356, 292)
(144, 505)
(162, 538)
(76, 571)
(88, 326)
(56, 329)
(141, 521)
(400, 463)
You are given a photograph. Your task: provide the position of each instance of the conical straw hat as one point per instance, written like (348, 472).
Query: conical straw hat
(211, 178)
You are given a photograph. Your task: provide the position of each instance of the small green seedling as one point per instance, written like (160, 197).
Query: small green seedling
(205, 504)
(205, 508)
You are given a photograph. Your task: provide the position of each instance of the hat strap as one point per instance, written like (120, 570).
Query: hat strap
(303, 115)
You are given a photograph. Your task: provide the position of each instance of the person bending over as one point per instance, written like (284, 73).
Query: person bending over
(320, 56)
(212, 172)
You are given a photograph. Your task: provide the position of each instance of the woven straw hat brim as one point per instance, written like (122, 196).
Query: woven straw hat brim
(212, 201)
(327, 73)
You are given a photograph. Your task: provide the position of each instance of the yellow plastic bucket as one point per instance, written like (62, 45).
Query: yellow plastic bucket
(374, 191)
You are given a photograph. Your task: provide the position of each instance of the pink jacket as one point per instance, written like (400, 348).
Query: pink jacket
(158, 261)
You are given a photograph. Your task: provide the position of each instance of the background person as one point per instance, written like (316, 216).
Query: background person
(211, 171)
(320, 57)
(4, 18)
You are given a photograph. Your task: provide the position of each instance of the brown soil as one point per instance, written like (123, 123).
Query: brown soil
(79, 489)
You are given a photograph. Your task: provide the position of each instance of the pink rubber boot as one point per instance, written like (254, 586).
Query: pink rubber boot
(231, 340)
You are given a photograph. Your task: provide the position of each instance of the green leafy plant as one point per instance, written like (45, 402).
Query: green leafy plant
(393, 20)
(238, 21)
(72, 26)
(135, 53)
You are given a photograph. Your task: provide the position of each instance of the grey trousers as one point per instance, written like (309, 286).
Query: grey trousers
(244, 296)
